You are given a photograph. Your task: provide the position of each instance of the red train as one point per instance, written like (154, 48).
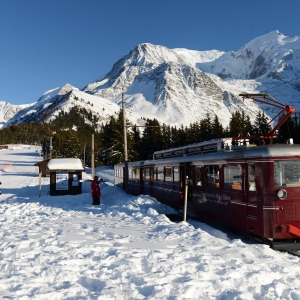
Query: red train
(255, 189)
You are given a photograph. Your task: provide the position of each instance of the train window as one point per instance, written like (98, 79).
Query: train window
(176, 174)
(287, 173)
(198, 175)
(152, 174)
(130, 173)
(251, 177)
(168, 174)
(137, 173)
(160, 173)
(212, 176)
(233, 177)
(147, 173)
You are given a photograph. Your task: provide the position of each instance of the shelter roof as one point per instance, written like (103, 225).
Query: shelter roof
(65, 164)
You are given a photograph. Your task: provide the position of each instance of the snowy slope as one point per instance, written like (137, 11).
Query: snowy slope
(195, 57)
(62, 247)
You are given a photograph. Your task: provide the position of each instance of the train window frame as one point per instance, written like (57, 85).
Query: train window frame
(286, 174)
(137, 173)
(231, 180)
(130, 173)
(212, 176)
(198, 175)
(176, 174)
(152, 174)
(147, 173)
(251, 177)
(160, 173)
(168, 174)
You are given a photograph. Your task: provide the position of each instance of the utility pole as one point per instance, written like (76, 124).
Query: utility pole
(186, 197)
(125, 144)
(84, 153)
(50, 155)
(93, 158)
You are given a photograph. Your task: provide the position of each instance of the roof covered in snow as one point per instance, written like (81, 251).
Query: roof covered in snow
(65, 164)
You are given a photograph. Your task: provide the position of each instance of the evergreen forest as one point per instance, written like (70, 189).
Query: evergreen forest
(70, 135)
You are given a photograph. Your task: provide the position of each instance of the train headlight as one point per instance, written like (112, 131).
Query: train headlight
(282, 194)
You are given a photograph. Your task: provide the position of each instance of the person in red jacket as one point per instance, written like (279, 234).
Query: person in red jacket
(96, 193)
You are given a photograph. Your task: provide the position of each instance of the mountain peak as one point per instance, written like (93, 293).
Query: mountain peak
(142, 58)
(146, 53)
(271, 55)
(66, 89)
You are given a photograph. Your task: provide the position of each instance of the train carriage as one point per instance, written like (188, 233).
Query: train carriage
(252, 189)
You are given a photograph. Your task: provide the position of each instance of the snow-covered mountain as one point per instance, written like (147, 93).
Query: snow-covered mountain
(8, 111)
(269, 56)
(52, 102)
(166, 84)
(180, 86)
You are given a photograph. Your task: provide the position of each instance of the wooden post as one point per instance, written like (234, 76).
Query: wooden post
(40, 184)
(93, 159)
(125, 144)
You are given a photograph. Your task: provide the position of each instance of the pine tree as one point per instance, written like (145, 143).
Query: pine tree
(166, 136)
(193, 133)
(152, 139)
(261, 123)
(136, 144)
(239, 124)
(217, 129)
(205, 129)
(296, 130)
(112, 140)
(66, 144)
(285, 131)
(174, 137)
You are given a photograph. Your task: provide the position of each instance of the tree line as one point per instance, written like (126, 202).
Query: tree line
(71, 134)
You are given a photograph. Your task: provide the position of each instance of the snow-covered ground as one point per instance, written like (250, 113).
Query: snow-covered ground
(62, 247)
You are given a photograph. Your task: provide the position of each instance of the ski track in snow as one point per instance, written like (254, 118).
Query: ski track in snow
(62, 247)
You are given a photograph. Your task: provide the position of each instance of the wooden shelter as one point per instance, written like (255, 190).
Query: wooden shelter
(65, 176)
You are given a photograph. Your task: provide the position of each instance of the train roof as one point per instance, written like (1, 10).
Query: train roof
(258, 152)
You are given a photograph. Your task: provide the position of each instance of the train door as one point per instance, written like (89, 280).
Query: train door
(189, 174)
(152, 179)
(234, 187)
(141, 180)
(123, 175)
(185, 170)
(182, 183)
(251, 191)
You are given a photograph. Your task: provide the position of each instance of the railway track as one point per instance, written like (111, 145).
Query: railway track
(295, 253)
(248, 239)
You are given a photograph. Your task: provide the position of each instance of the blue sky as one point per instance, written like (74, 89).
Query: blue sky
(46, 44)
